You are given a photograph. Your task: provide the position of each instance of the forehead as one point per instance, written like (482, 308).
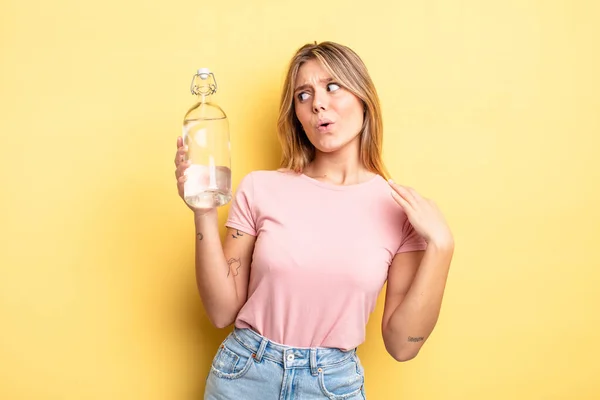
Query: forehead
(312, 71)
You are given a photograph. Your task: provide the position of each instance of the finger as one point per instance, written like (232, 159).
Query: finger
(416, 195)
(181, 167)
(404, 192)
(180, 184)
(393, 185)
(179, 141)
(180, 170)
(410, 194)
(402, 202)
(180, 155)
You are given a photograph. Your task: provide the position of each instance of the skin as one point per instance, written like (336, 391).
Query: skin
(317, 97)
(416, 280)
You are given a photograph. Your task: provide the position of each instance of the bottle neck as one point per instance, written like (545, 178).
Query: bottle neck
(203, 86)
(203, 97)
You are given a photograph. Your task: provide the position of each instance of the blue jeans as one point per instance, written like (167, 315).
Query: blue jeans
(248, 366)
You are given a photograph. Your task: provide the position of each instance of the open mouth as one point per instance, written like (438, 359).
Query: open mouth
(324, 125)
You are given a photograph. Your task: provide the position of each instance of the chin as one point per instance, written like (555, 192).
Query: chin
(331, 144)
(328, 147)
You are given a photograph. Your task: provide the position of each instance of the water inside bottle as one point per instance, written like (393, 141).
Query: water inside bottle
(208, 183)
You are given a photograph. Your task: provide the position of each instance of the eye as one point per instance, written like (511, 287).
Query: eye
(302, 96)
(333, 87)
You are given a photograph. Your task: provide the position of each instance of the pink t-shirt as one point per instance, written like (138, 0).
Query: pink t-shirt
(321, 255)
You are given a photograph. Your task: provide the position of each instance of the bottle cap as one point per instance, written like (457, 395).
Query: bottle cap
(204, 72)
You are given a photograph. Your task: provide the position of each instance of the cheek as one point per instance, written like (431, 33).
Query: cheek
(302, 114)
(354, 120)
(351, 109)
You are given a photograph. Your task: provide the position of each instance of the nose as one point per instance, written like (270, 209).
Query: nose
(319, 102)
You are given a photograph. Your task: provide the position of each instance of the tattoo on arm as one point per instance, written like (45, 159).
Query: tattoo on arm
(237, 234)
(200, 236)
(234, 266)
(415, 339)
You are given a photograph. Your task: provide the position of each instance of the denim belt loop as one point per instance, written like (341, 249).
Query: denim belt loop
(261, 349)
(313, 362)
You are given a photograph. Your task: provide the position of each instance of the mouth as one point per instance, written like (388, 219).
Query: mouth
(324, 125)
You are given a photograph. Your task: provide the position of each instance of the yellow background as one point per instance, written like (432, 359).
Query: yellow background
(490, 108)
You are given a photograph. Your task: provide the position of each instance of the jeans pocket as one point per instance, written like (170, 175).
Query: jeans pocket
(232, 360)
(342, 382)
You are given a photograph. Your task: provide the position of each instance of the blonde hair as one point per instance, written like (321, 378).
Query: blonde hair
(346, 67)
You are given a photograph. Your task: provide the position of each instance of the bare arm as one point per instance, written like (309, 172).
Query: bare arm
(416, 284)
(416, 280)
(222, 272)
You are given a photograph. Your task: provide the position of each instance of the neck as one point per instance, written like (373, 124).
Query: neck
(342, 167)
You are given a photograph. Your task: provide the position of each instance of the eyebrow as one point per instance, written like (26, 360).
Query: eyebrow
(306, 86)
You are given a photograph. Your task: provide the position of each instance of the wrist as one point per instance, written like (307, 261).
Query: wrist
(202, 214)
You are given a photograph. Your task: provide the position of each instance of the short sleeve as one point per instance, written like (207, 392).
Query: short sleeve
(241, 213)
(411, 240)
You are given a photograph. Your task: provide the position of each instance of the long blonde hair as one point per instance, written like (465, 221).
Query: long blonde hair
(346, 67)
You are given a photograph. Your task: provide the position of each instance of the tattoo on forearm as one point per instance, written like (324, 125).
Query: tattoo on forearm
(415, 339)
(200, 236)
(234, 266)
(237, 234)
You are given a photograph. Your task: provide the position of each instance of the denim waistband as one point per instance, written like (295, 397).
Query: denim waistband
(290, 357)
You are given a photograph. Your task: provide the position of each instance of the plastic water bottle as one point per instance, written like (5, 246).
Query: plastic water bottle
(206, 134)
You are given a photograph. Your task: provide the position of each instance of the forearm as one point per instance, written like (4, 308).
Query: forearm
(415, 317)
(215, 282)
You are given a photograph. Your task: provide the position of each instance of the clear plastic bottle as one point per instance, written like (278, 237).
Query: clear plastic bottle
(206, 134)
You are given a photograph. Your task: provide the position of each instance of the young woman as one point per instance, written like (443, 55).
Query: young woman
(310, 246)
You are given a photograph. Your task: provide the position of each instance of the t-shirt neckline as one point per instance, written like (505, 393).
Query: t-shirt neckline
(333, 186)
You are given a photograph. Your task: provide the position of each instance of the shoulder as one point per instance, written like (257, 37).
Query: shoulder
(382, 195)
(266, 190)
(380, 182)
(266, 179)
(273, 175)
(380, 188)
